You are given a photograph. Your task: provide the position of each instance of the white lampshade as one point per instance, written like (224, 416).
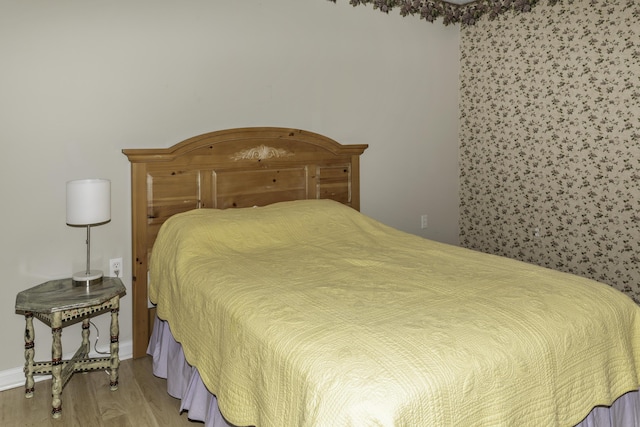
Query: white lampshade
(88, 201)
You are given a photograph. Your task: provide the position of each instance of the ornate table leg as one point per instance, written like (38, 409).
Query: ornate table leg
(86, 345)
(115, 358)
(56, 365)
(29, 337)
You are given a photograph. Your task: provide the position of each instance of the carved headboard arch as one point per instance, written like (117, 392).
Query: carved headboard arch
(230, 168)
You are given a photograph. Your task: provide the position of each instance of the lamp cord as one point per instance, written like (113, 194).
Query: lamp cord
(95, 344)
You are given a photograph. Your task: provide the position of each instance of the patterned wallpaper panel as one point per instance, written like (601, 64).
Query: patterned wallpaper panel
(550, 138)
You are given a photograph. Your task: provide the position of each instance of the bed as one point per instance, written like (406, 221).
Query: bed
(279, 304)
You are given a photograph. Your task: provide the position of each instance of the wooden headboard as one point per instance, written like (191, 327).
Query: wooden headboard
(231, 168)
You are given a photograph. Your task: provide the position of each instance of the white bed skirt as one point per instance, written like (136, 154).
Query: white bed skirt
(184, 382)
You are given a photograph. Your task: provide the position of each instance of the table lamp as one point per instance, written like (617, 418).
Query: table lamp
(88, 203)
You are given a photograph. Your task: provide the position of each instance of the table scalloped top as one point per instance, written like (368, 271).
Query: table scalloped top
(60, 295)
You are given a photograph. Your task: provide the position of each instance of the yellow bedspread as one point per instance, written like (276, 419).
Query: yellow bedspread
(309, 313)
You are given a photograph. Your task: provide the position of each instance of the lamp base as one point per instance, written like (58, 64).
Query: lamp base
(87, 278)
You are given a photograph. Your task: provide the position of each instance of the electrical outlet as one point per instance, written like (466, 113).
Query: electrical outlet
(423, 221)
(115, 267)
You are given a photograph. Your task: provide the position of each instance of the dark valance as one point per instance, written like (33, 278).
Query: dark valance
(451, 13)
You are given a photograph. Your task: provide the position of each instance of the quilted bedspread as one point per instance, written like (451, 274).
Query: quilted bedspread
(309, 313)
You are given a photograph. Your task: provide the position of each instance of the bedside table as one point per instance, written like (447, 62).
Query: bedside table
(59, 303)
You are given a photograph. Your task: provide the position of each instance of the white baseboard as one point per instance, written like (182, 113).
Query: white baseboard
(12, 378)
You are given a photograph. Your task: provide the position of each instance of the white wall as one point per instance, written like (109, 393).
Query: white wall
(80, 81)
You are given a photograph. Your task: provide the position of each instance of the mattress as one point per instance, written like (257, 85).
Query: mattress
(309, 313)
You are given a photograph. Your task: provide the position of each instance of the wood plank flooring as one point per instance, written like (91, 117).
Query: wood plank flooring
(141, 400)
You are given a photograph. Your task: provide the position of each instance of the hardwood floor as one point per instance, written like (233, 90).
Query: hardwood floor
(141, 400)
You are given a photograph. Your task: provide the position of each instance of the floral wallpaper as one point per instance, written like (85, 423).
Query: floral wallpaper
(550, 138)
(451, 13)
